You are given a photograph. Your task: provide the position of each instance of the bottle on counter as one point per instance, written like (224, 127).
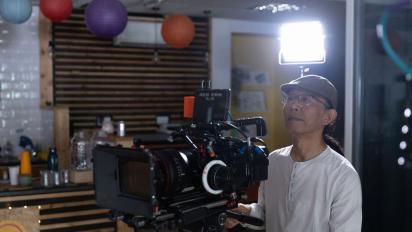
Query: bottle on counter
(25, 163)
(107, 125)
(8, 150)
(25, 177)
(52, 160)
(121, 129)
(80, 149)
(100, 138)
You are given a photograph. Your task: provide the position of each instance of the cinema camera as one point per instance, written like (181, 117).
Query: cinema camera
(188, 189)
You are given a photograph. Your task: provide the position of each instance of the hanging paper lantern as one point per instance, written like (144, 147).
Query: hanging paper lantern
(178, 31)
(106, 18)
(56, 10)
(15, 11)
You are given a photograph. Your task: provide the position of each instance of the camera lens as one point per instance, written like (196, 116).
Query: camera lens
(176, 172)
(215, 177)
(219, 177)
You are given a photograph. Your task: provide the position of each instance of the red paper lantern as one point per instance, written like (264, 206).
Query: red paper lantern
(178, 31)
(56, 10)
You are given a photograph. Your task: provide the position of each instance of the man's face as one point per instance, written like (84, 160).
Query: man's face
(305, 113)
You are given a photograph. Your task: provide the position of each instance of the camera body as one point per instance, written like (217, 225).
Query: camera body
(182, 187)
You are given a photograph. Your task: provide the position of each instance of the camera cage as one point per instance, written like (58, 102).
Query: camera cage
(136, 199)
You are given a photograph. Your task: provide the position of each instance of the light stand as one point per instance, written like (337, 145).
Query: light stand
(303, 70)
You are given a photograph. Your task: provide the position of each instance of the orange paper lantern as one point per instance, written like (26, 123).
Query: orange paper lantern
(178, 31)
(25, 163)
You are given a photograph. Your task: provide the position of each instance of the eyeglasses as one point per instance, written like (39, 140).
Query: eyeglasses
(305, 100)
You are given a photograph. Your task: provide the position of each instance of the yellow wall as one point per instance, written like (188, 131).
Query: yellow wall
(259, 53)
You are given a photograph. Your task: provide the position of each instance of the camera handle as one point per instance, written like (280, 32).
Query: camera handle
(215, 222)
(132, 221)
(245, 218)
(258, 121)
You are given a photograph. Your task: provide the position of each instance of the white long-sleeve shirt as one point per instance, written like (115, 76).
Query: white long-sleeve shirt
(319, 195)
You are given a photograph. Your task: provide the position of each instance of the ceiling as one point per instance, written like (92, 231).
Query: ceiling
(236, 9)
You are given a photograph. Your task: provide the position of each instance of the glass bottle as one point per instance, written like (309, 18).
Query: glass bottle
(107, 125)
(80, 151)
(52, 160)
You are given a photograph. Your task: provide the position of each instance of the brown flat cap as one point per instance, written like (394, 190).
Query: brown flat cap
(314, 84)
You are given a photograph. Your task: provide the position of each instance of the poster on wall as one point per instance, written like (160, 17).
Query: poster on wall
(244, 75)
(251, 101)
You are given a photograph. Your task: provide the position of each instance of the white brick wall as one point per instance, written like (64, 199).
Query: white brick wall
(20, 111)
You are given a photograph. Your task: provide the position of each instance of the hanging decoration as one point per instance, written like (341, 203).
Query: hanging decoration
(178, 31)
(382, 32)
(404, 158)
(15, 11)
(56, 10)
(394, 39)
(106, 18)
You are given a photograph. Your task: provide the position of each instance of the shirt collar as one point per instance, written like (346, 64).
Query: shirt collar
(317, 158)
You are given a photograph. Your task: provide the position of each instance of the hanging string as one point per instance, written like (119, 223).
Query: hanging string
(156, 52)
(208, 14)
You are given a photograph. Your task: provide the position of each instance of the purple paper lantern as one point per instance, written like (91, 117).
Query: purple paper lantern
(106, 18)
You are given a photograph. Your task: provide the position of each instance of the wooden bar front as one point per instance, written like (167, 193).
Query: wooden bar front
(70, 208)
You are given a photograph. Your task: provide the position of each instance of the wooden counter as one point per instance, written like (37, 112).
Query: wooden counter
(68, 208)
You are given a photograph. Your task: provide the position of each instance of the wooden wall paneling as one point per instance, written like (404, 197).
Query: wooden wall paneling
(63, 211)
(62, 136)
(92, 77)
(46, 68)
(123, 227)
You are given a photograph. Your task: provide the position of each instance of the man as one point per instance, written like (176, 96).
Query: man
(310, 186)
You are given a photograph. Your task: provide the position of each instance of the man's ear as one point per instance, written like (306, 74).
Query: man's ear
(330, 117)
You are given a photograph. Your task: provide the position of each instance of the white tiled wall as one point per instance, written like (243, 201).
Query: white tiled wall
(20, 112)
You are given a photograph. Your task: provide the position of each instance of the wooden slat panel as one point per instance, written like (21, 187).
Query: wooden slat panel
(45, 196)
(129, 68)
(108, 43)
(143, 90)
(87, 34)
(84, 54)
(129, 123)
(102, 230)
(124, 92)
(141, 129)
(126, 62)
(74, 210)
(127, 56)
(75, 213)
(75, 223)
(123, 117)
(129, 74)
(87, 110)
(147, 50)
(140, 81)
(67, 204)
(126, 104)
(109, 99)
(94, 78)
(70, 27)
